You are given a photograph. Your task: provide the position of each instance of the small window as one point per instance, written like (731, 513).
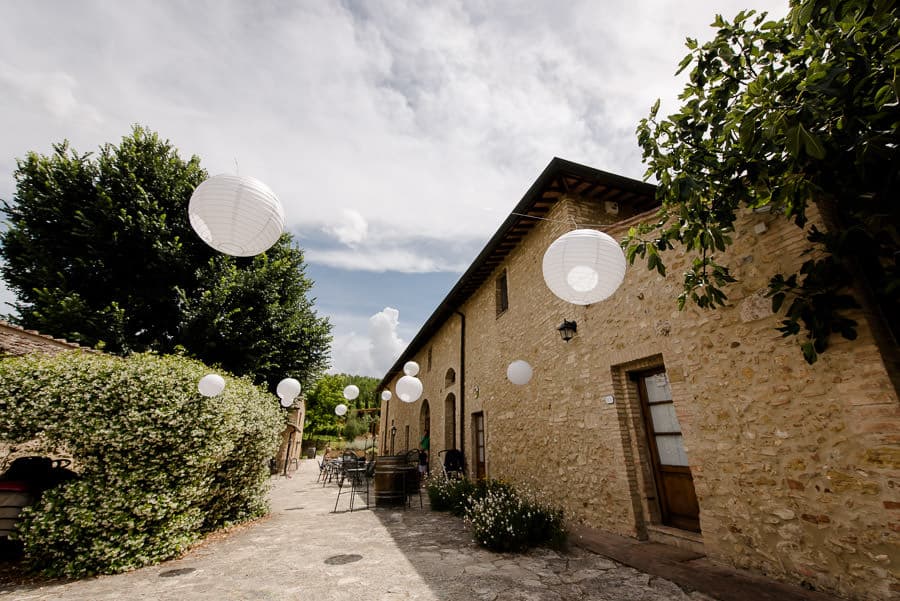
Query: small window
(502, 294)
(429, 358)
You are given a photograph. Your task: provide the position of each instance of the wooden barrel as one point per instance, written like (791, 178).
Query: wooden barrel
(391, 473)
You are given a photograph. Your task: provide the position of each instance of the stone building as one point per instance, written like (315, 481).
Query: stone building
(19, 341)
(701, 428)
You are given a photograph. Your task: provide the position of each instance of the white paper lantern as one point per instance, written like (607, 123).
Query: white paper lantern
(411, 368)
(288, 388)
(519, 372)
(584, 267)
(408, 389)
(386, 395)
(211, 385)
(351, 392)
(236, 215)
(286, 401)
(341, 409)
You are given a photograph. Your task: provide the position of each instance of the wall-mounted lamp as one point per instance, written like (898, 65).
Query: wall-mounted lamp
(567, 329)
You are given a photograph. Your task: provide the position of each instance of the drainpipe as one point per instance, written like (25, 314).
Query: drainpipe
(462, 387)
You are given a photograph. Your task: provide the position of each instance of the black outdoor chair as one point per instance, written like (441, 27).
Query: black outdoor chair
(322, 469)
(413, 477)
(452, 463)
(352, 476)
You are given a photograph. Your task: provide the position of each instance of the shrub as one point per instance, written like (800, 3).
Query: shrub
(159, 464)
(449, 494)
(504, 520)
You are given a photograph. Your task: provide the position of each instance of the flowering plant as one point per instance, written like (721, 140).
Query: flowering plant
(503, 519)
(448, 494)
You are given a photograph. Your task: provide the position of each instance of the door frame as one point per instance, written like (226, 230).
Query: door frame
(667, 517)
(479, 443)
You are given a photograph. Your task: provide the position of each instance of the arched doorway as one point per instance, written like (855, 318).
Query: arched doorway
(424, 419)
(450, 422)
(424, 428)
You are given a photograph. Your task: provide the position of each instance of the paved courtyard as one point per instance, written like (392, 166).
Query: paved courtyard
(303, 551)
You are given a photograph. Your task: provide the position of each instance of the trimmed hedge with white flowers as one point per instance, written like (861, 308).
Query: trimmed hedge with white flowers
(159, 464)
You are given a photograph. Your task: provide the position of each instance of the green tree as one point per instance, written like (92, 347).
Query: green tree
(99, 250)
(780, 115)
(328, 393)
(325, 395)
(368, 395)
(255, 316)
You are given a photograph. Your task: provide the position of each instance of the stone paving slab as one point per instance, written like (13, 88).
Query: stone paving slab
(304, 552)
(692, 571)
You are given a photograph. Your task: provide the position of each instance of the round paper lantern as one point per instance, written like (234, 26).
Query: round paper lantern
(386, 395)
(236, 215)
(408, 389)
(288, 388)
(287, 401)
(351, 392)
(341, 409)
(519, 372)
(584, 267)
(411, 368)
(211, 385)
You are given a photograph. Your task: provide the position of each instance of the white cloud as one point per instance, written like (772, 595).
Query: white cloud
(371, 354)
(381, 260)
(350, 355)
(350, 230)
(389, 124)
(385, 344)
(53, 92)
(405, 116)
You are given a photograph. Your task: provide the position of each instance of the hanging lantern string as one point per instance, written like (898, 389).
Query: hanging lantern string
(570, 221)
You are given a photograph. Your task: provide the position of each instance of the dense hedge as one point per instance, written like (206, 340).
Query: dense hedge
(159, 464)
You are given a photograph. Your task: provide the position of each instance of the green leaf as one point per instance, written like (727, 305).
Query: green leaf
(793, 138)
(884, 95)
(811, 143)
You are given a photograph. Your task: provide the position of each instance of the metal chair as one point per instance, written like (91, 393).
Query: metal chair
(354, 477)
(321, 465)
(452, 463)
(412, 479)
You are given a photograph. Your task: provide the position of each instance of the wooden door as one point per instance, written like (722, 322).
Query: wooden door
(478, 430)
(674, 483)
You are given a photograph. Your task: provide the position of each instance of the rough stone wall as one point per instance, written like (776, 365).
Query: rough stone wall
(796, 467)
(17, 341)
(291, 435)
(445, 349)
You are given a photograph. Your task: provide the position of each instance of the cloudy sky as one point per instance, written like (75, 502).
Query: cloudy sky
(397, 134)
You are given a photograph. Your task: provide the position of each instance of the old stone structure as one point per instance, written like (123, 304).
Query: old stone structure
(700, 428)
(287, 459)
(18, 341)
